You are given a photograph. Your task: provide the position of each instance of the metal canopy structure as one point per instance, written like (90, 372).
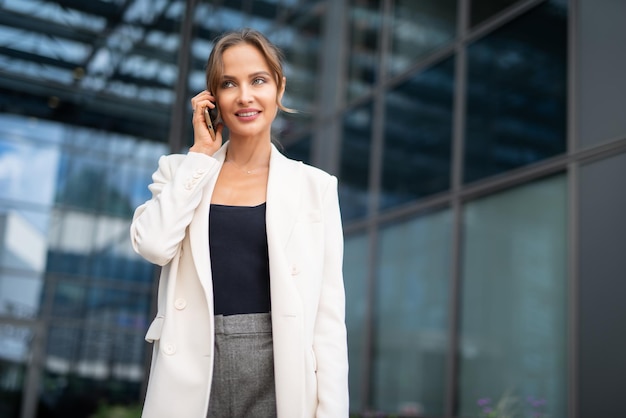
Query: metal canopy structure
(110, 64)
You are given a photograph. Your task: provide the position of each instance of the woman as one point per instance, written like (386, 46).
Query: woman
(250, 318)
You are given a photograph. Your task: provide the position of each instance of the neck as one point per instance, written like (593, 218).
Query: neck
(246, 153)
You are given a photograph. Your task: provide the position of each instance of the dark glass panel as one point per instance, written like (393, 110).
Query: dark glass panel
(484, 9)
(117, 308)
(418, 136)
(419, 27)
(365, 25)
(354, 163)
(15, 355)
(299, 150)
(516, 97)
(85, 366)
(69, 300)
(513, 331)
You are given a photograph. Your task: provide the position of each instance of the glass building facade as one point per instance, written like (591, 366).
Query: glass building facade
(480, 147)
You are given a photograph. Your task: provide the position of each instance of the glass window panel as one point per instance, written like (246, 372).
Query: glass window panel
(82, 181)
(302, 48)
(23, 241)
(602, 286)
(513, 337)
(411, 334)
(117, 192)
(103, 355)
(20, 294)
(15, 353)
(484, 9)
(418, 136)
(69, 300)
(356, 282)
(85, 366)
(27, 169)
(516, 97)
(365, 26)
(71, 241)
(419, 28)
(117, 308)
(355, 162)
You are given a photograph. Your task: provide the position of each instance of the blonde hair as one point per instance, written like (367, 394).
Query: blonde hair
(273, 56)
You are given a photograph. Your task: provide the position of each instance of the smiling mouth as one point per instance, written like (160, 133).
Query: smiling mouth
(246, 114)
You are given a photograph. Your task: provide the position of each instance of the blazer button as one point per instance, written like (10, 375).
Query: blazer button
(169, 349)
(180, 304)
(295, 270)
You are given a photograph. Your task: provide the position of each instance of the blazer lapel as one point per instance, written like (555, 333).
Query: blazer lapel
(283, 204)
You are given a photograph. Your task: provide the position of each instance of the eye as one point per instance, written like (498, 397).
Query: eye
(259, 80)
(226, 84)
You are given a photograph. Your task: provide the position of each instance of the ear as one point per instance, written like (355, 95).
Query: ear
(282, 91)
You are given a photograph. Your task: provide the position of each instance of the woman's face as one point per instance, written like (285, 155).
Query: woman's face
(247, 93)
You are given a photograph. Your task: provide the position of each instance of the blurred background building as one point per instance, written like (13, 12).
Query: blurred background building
(481, 152)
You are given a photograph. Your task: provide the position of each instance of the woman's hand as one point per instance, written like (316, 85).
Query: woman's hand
(202, 140)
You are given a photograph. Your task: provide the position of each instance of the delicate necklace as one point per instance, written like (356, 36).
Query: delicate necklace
(254, 170)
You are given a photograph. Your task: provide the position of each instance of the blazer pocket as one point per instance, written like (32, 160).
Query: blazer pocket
(155, 329)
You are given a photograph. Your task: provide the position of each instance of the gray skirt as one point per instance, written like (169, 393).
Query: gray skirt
(243, 369)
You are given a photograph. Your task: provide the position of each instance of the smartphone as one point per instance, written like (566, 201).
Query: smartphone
(210, 116)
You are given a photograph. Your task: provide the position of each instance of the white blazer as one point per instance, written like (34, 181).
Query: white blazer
(305, 243)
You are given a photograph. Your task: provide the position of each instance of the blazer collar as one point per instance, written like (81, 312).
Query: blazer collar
(283, 195)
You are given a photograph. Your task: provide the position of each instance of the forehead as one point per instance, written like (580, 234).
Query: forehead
(242, 59)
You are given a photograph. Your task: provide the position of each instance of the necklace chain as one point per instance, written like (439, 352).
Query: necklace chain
(243, 169)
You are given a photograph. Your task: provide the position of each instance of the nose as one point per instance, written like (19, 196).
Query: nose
(245, 94)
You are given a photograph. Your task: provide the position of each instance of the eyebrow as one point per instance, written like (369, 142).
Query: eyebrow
(255, 74)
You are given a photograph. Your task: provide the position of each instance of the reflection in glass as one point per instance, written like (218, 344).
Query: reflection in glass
(20, 294)
(356, 283)
(418, 136)
(27, 169)
(301, 47)
(69, 300)
(354, 163)
(418, 28)
(82, 185)
(516, 98)
(84, 366)
(365, 26)
(483, 9)
(116, 308)
(15, 352)
(411, 336)
(514, 300)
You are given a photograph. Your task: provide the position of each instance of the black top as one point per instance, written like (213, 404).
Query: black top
(239, 259)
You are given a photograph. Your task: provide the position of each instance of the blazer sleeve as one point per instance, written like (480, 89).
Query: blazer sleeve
(159, 225)
(330, 341)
